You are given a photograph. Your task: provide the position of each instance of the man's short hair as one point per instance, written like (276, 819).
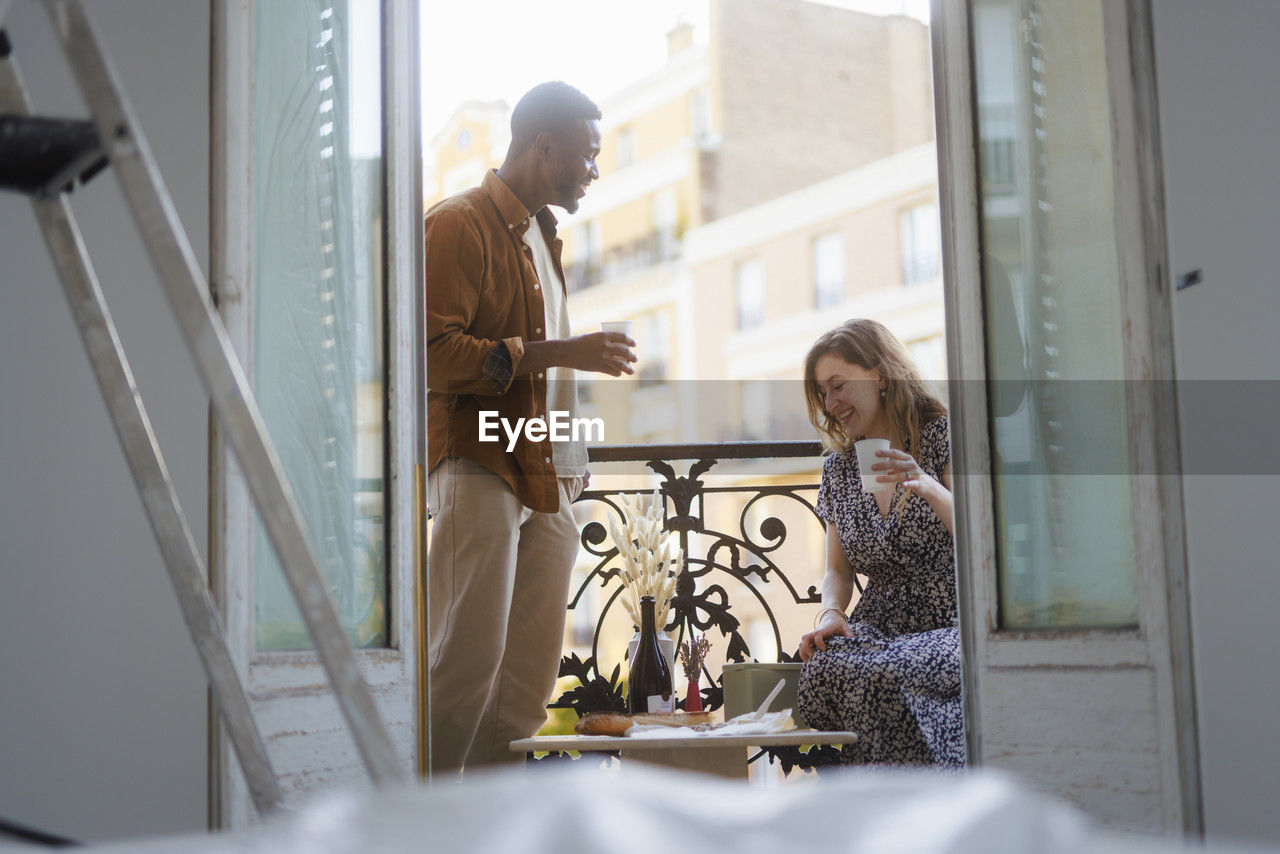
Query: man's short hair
(550, 107)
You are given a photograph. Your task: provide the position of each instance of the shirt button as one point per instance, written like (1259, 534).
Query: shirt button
(546, 459)
(538, 330)
(537, 287)
(539, 374)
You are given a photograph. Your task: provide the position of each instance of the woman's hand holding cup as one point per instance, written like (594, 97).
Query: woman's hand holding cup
(894, 466)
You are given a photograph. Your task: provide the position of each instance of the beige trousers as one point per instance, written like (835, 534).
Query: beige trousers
(498, 588)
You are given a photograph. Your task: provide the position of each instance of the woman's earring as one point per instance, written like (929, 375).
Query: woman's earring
(882, 394)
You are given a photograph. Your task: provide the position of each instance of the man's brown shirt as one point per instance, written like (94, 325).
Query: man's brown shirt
(484, 301)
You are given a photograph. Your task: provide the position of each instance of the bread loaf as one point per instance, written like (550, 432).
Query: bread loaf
(603, 723)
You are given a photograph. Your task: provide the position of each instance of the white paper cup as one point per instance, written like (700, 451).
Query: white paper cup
(623, 326)
(866, 451)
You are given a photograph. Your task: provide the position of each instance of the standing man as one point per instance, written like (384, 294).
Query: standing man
(499, 350)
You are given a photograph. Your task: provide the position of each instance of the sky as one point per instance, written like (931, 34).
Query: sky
(498, 49)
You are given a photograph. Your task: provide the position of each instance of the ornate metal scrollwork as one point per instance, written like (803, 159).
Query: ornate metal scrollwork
(743, 561)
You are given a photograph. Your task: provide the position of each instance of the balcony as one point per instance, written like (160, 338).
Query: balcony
(657, 247)
(754, 560)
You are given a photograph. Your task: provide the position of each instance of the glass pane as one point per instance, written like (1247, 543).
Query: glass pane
(828, 269)
(750, 275)
(1053, 317)
(921, 234)
(318, 285)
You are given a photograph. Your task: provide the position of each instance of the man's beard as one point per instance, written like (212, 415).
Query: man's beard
(569, 198)
(569, 201)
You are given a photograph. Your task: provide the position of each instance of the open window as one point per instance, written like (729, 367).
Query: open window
(1072, 575)
(316, 273)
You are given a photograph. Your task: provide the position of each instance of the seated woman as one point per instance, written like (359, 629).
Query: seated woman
(891, 672)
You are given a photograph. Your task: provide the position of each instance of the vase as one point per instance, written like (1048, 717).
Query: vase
(693, 697)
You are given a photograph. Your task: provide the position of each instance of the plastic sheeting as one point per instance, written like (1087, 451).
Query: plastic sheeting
(577, 808)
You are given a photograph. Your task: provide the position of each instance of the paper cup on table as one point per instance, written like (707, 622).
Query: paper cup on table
(866, 450)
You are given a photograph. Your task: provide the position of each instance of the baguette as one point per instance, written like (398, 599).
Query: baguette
(603, 723)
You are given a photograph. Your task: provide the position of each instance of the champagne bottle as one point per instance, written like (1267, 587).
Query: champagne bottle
(649, 687)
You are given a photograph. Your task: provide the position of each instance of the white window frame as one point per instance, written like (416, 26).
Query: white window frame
(286, 687)
(1162, 640)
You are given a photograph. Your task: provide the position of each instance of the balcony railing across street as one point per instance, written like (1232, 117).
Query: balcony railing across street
(656, 247)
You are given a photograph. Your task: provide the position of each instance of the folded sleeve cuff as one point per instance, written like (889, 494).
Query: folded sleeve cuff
(500, 365)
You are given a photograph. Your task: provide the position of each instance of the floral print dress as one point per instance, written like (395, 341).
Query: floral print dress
(897, 681)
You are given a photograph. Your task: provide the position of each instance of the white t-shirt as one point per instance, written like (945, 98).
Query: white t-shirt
(569, 458)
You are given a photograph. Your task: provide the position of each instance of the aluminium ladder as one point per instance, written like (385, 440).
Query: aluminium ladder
(45, 158)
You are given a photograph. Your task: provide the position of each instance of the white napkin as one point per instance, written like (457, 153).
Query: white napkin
(758, 722)
(752, 723)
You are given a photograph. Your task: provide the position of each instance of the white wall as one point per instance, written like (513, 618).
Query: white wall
(102, 699)
(1218, 67)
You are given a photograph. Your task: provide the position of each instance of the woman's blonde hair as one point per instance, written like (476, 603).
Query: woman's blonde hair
(908, 402)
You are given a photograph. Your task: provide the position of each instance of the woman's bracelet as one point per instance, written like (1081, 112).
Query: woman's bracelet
(839, 611)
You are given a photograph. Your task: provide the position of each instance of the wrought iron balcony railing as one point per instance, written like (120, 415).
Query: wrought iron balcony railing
(656, 247)
(730, 569)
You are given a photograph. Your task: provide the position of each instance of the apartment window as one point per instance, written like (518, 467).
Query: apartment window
(665, 209)
(665, 216)
(654, 340)
(585, 269)
(749, 280)
(589, 236)
(626, 147)
(828, 270)
(999, 166)
(700, 113)
(921, 236)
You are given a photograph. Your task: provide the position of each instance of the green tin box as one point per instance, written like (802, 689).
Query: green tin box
(746, 685)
